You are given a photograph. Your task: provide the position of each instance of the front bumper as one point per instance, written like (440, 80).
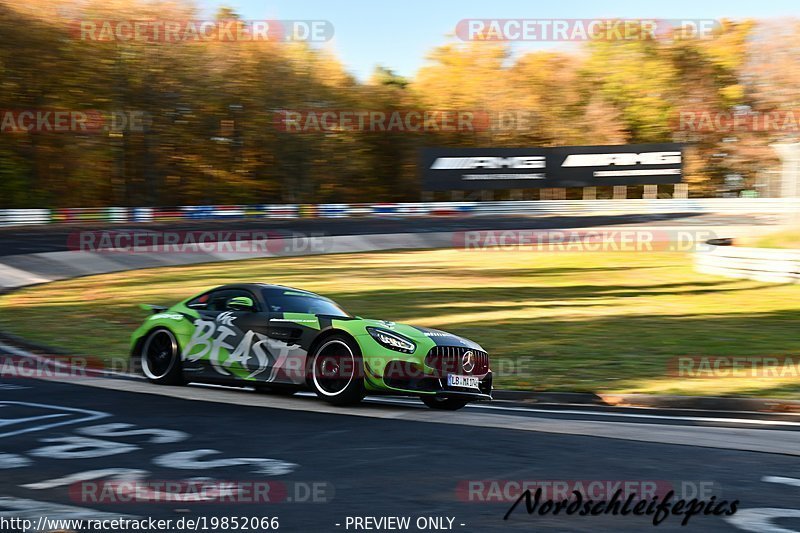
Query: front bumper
(418, 384)
(471, 396)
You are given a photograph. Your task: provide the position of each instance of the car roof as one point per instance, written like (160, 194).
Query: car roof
(258, 286)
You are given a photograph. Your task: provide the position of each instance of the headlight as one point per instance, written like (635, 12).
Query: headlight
(393, 341)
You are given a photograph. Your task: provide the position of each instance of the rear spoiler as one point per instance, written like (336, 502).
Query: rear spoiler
(155, 309)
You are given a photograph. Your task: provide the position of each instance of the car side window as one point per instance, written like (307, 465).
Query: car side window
(291, 301)
(218, 300)
(201, 302)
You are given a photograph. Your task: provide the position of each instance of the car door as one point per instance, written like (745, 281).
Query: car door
(293, 326)
(229, 341)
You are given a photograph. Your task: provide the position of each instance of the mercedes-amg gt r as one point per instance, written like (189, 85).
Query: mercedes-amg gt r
(279, 339)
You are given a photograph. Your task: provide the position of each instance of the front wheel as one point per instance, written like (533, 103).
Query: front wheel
(443, 404)
(337, 371)
(161, 358)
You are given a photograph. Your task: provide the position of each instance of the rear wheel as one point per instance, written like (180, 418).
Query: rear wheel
(443, 404)
(161, 359)
(337, 371)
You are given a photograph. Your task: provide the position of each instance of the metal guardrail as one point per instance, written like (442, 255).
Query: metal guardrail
(760, 264)
(18, 217)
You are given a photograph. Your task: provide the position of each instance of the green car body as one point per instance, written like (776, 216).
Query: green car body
(280, 338)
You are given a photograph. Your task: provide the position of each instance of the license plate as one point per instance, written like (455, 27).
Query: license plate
(454, 380)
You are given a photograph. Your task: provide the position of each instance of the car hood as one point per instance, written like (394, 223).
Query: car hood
(440, 338)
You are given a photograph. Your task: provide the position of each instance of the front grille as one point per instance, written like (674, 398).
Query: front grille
(449, 360)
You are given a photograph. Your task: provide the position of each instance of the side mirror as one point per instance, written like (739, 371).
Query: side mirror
(241, 303)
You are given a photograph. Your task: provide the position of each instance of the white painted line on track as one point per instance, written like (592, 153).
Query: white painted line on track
(621, 415)
(745, 439)
(411, 401)
(9, 386)
(765, 440)
(794, 482)
(762, 519)
(79, 416)
(36, 511)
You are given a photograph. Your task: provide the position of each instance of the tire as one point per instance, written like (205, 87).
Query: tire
(161, 358)
(337, 371)
(443, 404)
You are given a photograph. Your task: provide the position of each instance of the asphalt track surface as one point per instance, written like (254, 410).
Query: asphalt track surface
(386, 457)
(57, 237)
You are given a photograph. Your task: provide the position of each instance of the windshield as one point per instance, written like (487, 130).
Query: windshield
(291, 301)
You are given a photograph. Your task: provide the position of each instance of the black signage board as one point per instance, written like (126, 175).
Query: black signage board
(446, 169)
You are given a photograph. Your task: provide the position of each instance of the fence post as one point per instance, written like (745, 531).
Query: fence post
(681, 191)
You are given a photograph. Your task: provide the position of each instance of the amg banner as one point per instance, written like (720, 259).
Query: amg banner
(446, 169)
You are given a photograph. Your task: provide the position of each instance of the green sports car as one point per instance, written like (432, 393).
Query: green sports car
(279, 339)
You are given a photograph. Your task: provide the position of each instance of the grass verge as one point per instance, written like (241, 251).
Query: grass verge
(597, 322)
